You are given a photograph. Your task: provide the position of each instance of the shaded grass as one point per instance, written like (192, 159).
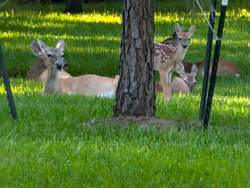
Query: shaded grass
(52, 146)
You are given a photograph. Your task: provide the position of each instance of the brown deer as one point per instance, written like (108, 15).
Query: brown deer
(224, 67)
(87, 84)
(185, 84)
(39, 71)
(167, 57)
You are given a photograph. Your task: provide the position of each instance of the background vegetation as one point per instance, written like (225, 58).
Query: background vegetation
(51, 144)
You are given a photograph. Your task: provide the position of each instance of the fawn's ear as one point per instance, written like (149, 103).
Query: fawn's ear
(43, 46)
(194, 70)
(36, 49)
(178, 28)
(60, 45)
(191, 30)
(174, 36)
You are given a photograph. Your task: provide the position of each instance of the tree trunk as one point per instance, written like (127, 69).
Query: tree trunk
(73, 6)
(135, 94)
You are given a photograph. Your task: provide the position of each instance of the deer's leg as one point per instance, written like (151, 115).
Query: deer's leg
(169, 84)
(165, 84)
(158, 87)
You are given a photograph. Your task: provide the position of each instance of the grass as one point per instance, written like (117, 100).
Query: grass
(52, 146)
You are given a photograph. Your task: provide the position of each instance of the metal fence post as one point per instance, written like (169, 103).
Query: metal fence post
(7, 86)
(215, 63)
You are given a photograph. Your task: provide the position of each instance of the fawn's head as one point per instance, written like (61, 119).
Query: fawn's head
(184, 37)
(188, 78)
(54, 56)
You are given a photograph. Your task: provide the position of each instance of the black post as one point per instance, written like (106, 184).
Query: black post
(207, 61)
(215, 63)
(7, 86)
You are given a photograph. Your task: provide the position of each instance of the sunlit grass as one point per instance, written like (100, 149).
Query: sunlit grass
(51, 144)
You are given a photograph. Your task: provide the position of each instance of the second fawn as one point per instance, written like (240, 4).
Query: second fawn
(167, 57)
(185, 84)
(87, 84)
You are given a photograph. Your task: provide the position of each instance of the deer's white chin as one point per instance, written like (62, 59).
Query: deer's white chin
(184, 49)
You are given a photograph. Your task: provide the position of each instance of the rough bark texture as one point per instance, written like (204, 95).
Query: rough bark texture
(73, 6)
(135, 94)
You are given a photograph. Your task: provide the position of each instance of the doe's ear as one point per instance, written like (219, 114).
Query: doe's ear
(43, 46)
(194, 69)
(36, 49)
(191, 30)
(178, 28)
(180, 69)
(60, 45)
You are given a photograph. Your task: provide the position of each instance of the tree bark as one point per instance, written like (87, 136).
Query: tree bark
(73, 6)
(135, 94)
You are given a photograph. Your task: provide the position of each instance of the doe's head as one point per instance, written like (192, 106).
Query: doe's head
(184, 37)
(54, 56)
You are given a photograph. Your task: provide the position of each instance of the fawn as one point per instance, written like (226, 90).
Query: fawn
(185, 84)
(167, 57)
(87, 84)
(224, 67)
(39, 70)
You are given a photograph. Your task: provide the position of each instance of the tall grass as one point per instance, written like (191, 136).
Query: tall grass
(51, 144)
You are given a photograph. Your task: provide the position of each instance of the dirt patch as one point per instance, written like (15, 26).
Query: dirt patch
(148, 122)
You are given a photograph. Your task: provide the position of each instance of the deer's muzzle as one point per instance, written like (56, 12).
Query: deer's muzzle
(184, 46)
(59, 65)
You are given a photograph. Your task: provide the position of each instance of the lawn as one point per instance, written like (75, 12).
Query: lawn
(52, 145)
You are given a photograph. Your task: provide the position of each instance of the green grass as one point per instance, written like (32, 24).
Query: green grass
(51, 144)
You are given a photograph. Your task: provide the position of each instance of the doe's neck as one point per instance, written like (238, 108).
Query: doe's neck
(52, 82)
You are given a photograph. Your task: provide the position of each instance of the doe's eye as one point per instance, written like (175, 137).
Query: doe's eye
(49, 55)
(62, 55)
(194, 83)
(188, 39)
(179, 39)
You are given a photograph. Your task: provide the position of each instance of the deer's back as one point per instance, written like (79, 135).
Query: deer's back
(178, 85)
(228, 68)
(89, 85)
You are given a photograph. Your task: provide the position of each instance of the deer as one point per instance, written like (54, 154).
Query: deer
(224, 67)
(168, 57)
(89, 85)
(184, 84)
(39, 71)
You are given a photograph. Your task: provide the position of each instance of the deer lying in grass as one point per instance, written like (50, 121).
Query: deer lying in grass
(167, 58)
(224, 67)
(87, 84)
(185, 84)
(39, 70)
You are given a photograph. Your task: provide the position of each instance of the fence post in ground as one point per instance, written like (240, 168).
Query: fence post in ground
(215, 63)
(207, 60)
(7, 86)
